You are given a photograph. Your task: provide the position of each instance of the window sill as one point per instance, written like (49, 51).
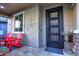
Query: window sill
(18, 32)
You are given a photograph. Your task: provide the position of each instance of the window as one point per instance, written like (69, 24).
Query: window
(19, 23)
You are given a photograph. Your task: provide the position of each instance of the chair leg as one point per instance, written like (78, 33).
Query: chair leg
(10, 48)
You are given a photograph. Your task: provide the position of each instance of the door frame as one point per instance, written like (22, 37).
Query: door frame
(47, 24)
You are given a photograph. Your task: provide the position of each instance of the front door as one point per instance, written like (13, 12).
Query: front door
(54, 28)
(3, 28)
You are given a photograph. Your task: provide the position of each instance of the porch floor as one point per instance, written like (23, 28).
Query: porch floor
(29, 51)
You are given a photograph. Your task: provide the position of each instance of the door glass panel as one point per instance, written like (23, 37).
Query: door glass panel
(54, 37)
(54, 29)
(54, 14)
(54, 22)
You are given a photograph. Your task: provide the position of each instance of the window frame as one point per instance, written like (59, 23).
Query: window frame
(17, 14)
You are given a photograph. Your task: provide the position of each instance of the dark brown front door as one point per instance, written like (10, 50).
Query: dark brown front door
(54, 28)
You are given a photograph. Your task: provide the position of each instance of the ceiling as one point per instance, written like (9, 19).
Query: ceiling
(10, 8)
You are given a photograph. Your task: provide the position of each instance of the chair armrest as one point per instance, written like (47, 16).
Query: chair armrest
(2, 42)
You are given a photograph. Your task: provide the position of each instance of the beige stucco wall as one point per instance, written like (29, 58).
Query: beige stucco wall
(30, 25)
(74, 16)
(77, 13)
(10, 24)
(68, 20)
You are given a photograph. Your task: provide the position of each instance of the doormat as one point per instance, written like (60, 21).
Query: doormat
(54, 50)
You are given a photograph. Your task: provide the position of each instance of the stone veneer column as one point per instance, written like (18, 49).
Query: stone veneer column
(76, 42)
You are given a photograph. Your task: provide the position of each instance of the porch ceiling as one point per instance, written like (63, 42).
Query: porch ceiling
(10, 8)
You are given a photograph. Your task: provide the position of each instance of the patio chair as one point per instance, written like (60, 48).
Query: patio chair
(4, 40)
(3, 45)
(13, 41)
(17, 41)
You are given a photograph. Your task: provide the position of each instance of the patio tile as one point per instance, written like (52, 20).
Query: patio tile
(29, 51)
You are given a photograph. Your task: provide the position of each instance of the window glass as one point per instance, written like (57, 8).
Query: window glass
(18, 23)
(21, 22)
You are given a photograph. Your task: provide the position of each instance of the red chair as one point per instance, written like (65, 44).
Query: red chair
(3, 43)
(5, 38)
(12, 41)
(17, 41)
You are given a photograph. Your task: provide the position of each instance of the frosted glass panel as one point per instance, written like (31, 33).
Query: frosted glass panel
(54, 38)
(54, 22)
(54, 29)
(54, 14)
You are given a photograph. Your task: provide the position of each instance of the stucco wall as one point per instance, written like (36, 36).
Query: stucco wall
(40, 28)
(77, 24)
(75, 13)
(30, 25)
(10, 24)
(74, 16)
(68, 20)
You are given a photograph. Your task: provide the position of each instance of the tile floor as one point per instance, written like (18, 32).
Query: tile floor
(29, 51)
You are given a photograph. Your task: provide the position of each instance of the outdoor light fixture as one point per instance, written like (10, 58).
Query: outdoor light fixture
(2, 7)
(17, 24)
